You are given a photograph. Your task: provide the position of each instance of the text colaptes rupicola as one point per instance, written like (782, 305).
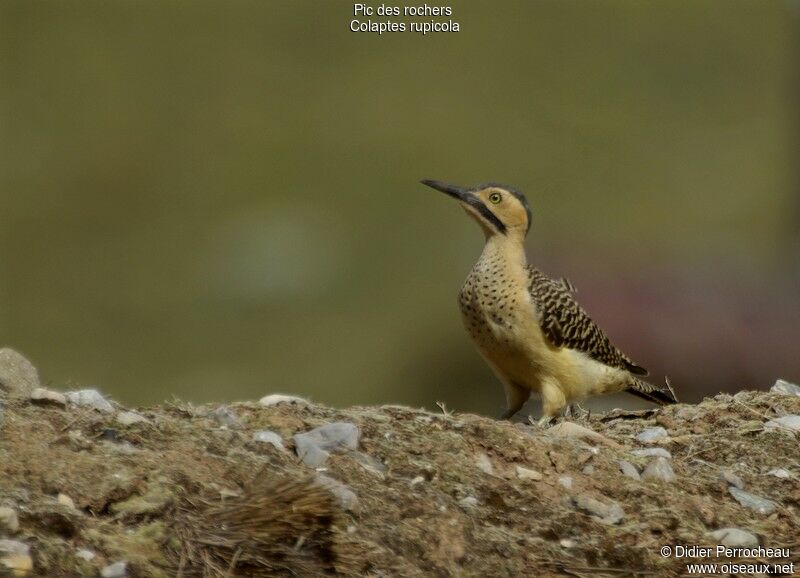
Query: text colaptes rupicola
(528, 327)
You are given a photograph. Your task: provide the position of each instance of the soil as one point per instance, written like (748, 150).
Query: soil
(438, 494)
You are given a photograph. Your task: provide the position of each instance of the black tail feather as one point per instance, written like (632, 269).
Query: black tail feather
(663, 395)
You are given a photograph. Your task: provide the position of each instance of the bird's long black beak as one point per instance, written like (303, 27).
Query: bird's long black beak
(460, 193)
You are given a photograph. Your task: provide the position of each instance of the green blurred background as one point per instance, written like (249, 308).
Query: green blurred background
(217, 201)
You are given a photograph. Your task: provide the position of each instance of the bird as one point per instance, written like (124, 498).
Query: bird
(528, 327)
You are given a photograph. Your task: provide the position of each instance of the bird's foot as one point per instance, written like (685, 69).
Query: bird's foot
(546, 421)
(574, 410)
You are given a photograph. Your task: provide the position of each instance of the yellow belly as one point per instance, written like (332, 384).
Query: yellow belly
(519, 354)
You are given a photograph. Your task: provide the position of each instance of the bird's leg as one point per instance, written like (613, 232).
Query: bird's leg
(553, 401)
(508, 414)
(515, 398)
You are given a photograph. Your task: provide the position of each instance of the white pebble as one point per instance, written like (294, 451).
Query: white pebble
(484, 464)
(528, 474)
(786, 422)
(652, 434)
(659, 469)
(748, 500)
(90, 398)
(84, 554)
(126, 418)
(65, 500)
(9, 521)
(43, 395)
(468, 502)
(115, 570)
(269, 437)
(734, 538)
(653, 452)
(278, 398)
(785, 387)
(629, 470)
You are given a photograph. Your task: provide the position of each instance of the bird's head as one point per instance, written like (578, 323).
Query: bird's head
(498, 209)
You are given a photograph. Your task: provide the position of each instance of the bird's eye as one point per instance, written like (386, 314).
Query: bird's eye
(495, 198)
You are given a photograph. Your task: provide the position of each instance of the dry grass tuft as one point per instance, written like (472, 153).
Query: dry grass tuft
(278, 527)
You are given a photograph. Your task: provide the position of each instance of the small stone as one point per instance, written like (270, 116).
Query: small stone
(269, 437)
(786, 422)
(588, 469)
(651, 435)
(484, 464)
(416, 480)
(90, 398)
(224, 416)
(528, 474)
(115, 570)
(611, 513)
(128, 418)
(85, 554)
(13, 547)
(9, 521)
(310, 453)
(786, 388)
(19, 564)
(734, 538)
(65, 500)
(278, 398)
(18, 376)
(732, 479)
(313, 447)
(346, 497)
(659, 469)
(469, 502)
(567, 543)
(568, 429)
(15, 556)
(629, 470)
(748, 500)
(780, 473)
(45, 396)
(565, 482)
(335, 436)
(653, 452)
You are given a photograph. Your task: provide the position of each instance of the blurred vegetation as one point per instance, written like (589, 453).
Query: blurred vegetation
(220, 200)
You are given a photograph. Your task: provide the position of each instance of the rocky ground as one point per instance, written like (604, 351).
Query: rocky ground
(287, 487)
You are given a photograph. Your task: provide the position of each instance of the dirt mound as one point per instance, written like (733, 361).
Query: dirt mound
(212, 491)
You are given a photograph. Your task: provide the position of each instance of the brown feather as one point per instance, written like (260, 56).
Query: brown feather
(566, 324)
